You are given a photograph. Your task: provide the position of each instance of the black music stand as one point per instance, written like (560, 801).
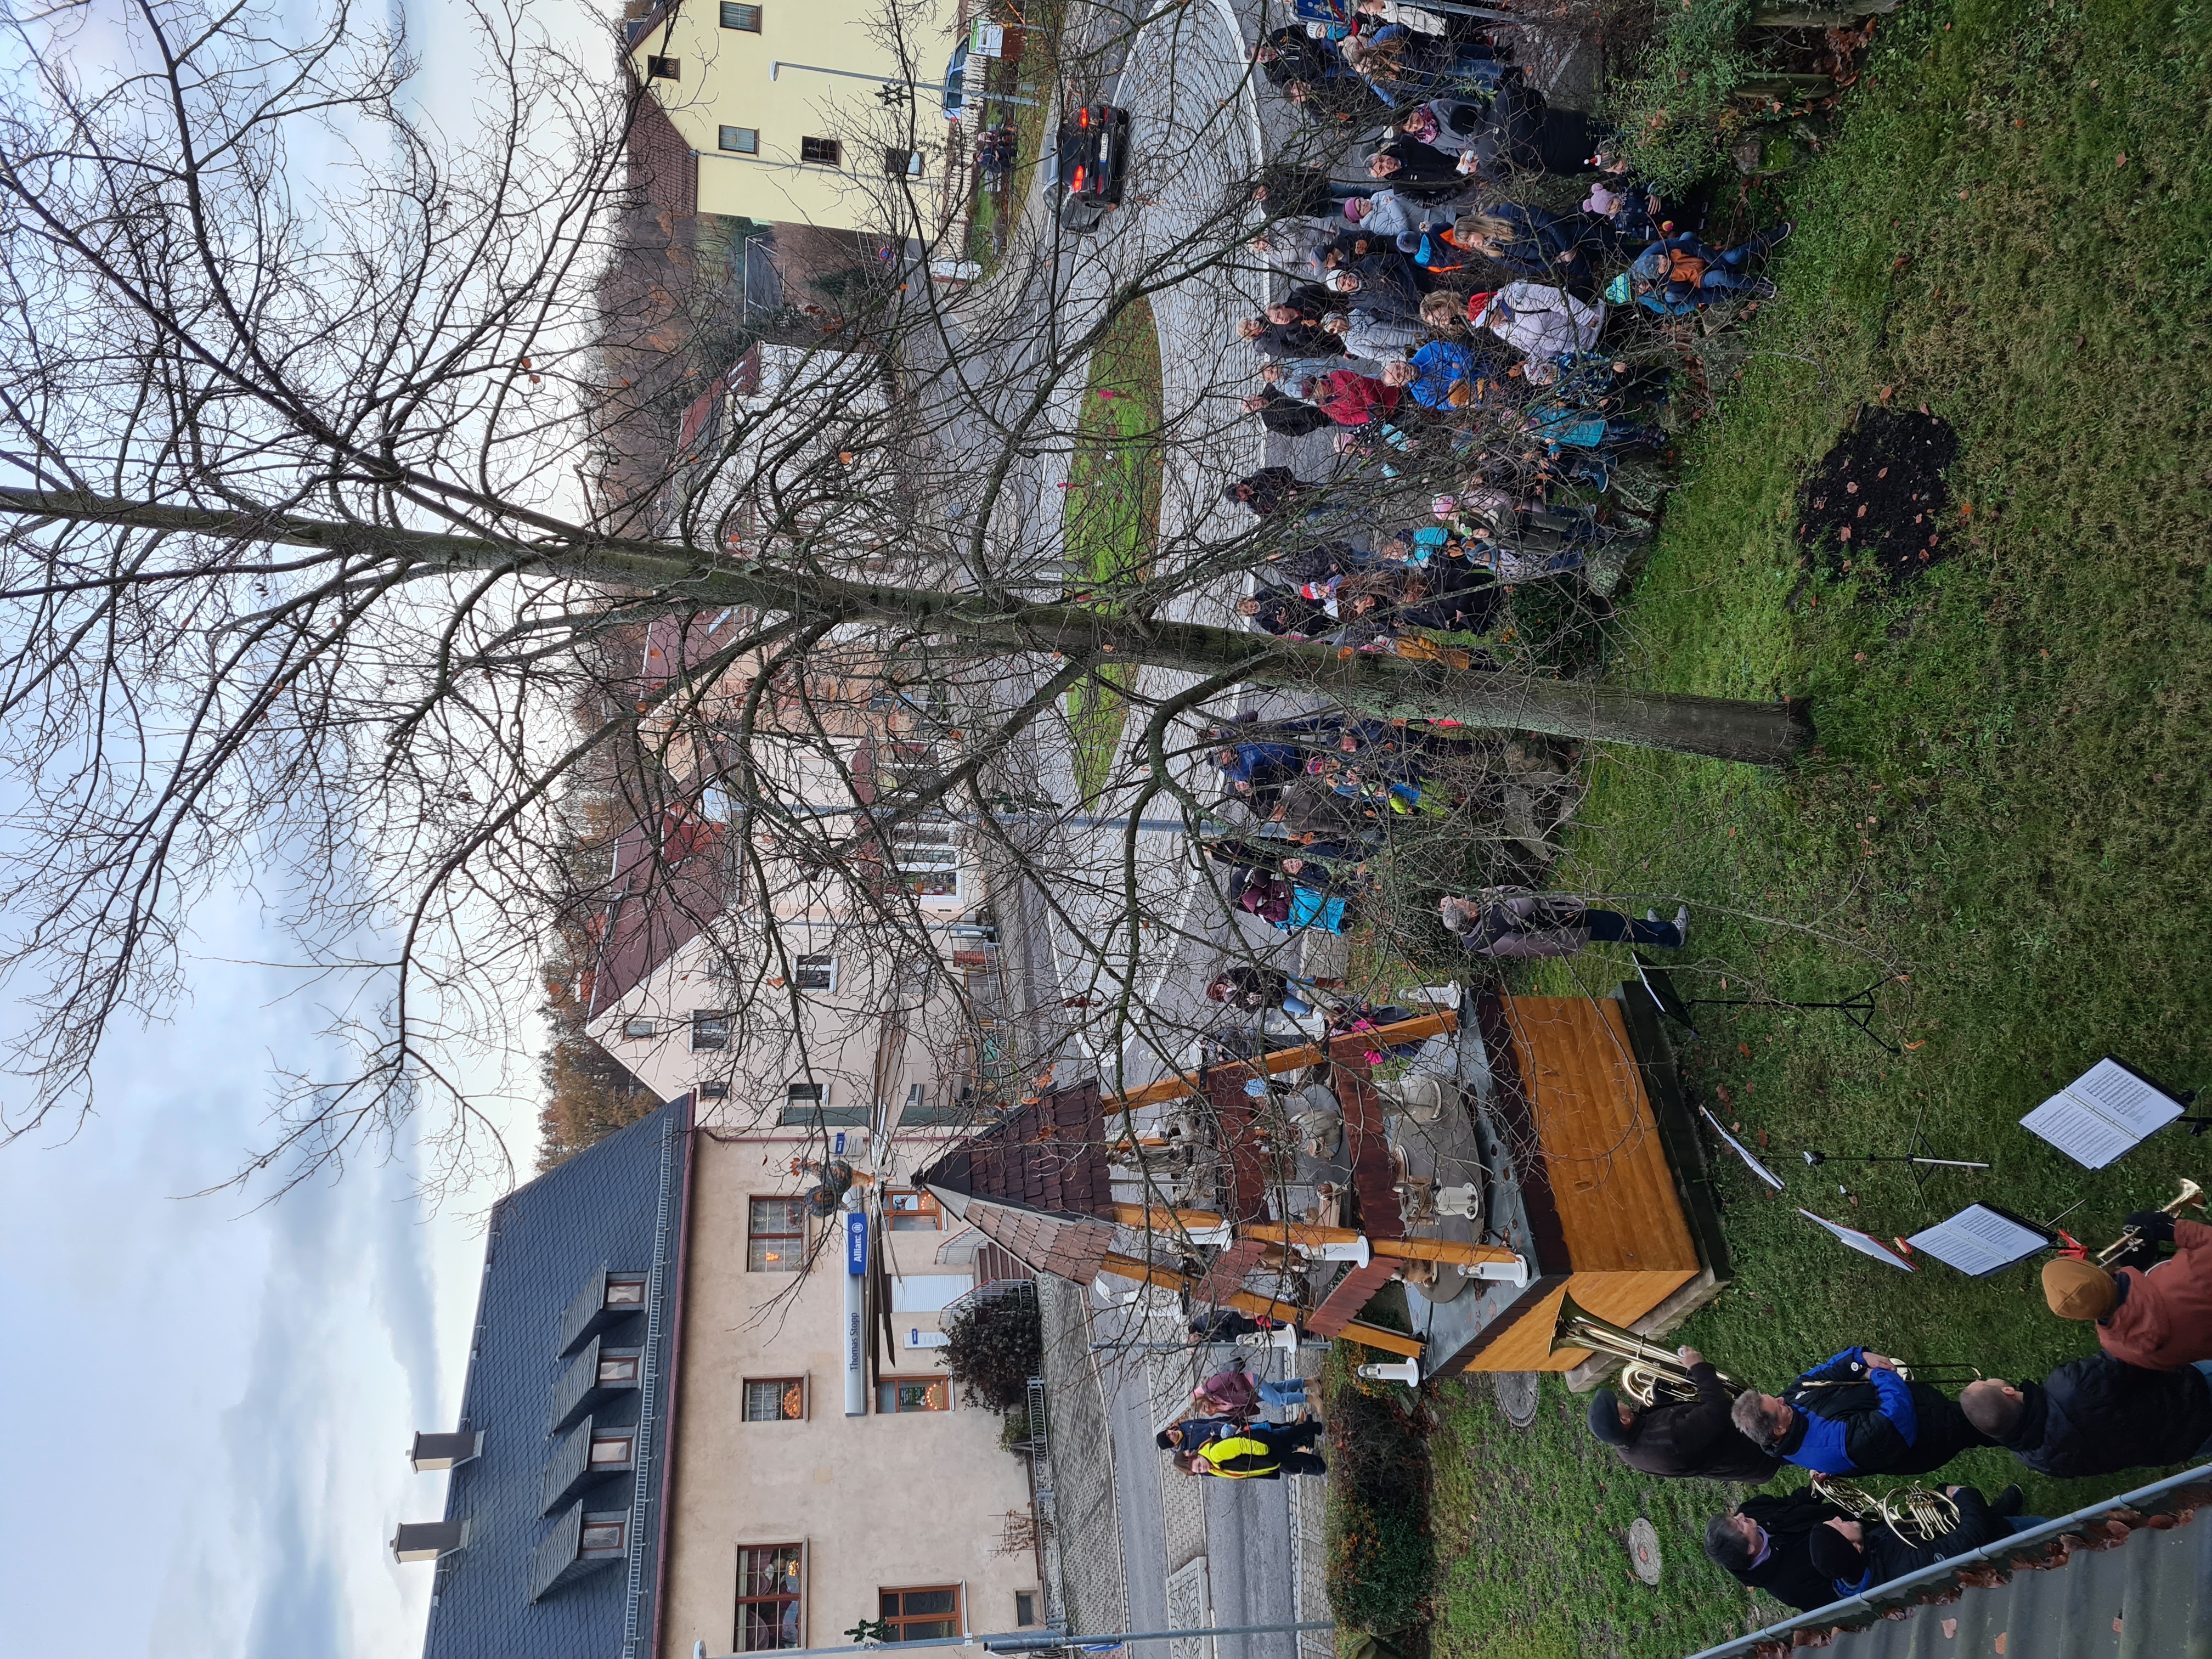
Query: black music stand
(1858, 1008)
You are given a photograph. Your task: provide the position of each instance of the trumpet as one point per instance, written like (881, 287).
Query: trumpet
(1649, 1374)
(1918, 1514)
(2191, 1193)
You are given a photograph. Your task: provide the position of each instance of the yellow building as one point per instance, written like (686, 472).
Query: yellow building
(825, 112)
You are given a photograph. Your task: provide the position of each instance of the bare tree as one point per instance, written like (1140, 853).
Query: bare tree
(331, 555)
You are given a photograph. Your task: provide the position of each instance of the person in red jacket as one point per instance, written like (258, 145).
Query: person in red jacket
(1351, 398)
(2159, 1319)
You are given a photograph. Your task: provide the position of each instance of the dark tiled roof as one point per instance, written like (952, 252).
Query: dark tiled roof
(614, 1206)
(1050, 1155)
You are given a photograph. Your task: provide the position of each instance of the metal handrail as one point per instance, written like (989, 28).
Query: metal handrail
(1947, 1569)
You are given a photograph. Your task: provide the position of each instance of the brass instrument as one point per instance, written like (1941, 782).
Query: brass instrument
(1918, 1514)
(1649, 1374)
(2191, 1193)
(1930, 1370)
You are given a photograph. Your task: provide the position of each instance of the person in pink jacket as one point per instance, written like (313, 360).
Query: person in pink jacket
(1510, 922)
(1235, 1393)
(2159, 1318)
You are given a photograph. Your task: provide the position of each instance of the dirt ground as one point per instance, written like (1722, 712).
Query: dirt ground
(1879, 494)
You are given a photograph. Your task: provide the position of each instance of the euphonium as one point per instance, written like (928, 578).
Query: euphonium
(2191, 1193)
(1918, 1514)
(1648, 1373)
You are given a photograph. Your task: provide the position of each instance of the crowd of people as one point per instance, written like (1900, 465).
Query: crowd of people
(2142, 1401)
(1396, 333)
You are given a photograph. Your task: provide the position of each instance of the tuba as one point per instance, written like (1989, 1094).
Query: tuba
(1649, 1375)
(2191, 1193)
(1919, 1515)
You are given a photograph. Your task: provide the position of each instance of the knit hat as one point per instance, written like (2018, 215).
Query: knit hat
(2077, 1290)
(1605, 1419)
(1835, 1556)
(1335, 280)
(1357, 207)
(1617, 290)
(1477, 303)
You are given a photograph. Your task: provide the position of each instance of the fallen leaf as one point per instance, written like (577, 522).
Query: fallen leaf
(1744, 1048)
(1762, 1139)
(1923, 1043)
(1887, 393)
(1950, 1629)
(2123, 161)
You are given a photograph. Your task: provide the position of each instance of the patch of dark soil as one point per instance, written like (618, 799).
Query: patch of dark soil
(1878, 497)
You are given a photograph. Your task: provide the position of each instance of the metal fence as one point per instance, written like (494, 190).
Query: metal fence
(2038, 1549)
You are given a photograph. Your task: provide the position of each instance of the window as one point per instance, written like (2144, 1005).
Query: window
(928, 862)
(739, 141)
(640, 1028)
(913, 1213)
(775, 1400)
(663, 69)
(806, 1094)
(921, 1615)
(712, 1091)
(747, 18)
(603, 1534)
(625, 1291)
(612, 1450)
(618, 1368)
(709, 1031)
(817, 974)
(895, 1395)
(1024, 1608)
(903, 163)
(767, 1598)
(824, 152)
(775, 1237)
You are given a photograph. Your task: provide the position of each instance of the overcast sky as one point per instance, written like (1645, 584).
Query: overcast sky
(212, 1402)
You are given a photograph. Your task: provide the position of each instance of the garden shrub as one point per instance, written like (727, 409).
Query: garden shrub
(993, 1347)
(1675, 114)
(1381, 1556)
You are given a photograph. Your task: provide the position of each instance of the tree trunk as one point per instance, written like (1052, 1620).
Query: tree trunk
(1764, 734)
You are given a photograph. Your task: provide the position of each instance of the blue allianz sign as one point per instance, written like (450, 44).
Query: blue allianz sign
(856, 1243)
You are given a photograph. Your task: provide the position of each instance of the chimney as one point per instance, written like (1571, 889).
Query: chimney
(445, 1452)
(425, 1540)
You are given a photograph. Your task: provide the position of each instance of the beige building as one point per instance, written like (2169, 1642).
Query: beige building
(658, 1446)
(824, 112)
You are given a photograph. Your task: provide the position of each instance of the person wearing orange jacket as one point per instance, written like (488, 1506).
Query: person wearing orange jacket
(2159, 1318)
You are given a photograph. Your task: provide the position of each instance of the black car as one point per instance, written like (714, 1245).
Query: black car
(1093, 164)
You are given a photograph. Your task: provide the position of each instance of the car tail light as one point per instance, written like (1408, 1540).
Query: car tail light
(1083, 117)
(1075, 185)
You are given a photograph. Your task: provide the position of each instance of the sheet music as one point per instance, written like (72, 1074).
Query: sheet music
(2086, 1135)
(2136, 1105)
(1979, 1240)
(1864, 1244)
(1743, 1152)
(2101, 1115)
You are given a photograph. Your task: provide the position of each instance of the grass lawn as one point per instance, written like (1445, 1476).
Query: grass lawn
(997, 213)
(1112, 515)
(2008, 803)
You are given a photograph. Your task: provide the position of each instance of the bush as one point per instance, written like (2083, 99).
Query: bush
(1381, 1555)
(1556, 626)
(1675, 114)
(993, 1347)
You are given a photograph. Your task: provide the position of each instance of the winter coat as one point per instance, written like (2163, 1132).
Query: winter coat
(1788, 1574)
(1234, 1393)
(1295, 192)
(1268, 898)
(2165, 1320)
(1309, 300)
(1380, 335)
(1423, 170)
(1289, 614)
(1540, 237)
(1271, 489)
(1288, 417)
(1450, 376)
(1392, 214)
(1350, 399)
(1264, 765)
(1299, 58)
(1697, 1438)
(1541, 321)
(2099, 1416)
(1889, 1556)
(1297, 340)
(1852, 1419)
(1523, 926)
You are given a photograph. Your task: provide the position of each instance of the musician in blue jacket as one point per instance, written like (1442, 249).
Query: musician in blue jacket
(1853, 1414)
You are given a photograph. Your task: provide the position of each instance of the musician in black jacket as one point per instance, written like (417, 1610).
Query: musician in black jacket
(2097, 1416)
(1764, 1542)
(1857, 1555)
(1694, 1438)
